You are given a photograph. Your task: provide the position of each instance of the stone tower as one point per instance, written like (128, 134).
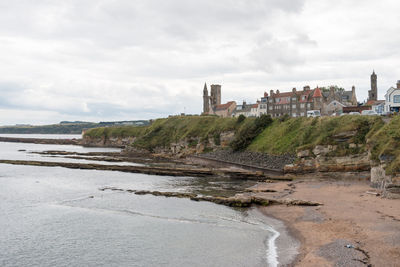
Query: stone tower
(215, 97)
(373, 93)
(206, 100)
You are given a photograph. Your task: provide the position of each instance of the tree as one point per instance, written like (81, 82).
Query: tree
(336, 88)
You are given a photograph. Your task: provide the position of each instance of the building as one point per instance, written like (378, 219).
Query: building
(392, 97)
(295, 103)
(347, 98)
(376, 105)
(335, 107)
(225, 110)
(245, 109)
(263, 105)
(212, 103)
(373, 93)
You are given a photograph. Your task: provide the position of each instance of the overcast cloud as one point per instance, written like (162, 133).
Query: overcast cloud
(138, 59)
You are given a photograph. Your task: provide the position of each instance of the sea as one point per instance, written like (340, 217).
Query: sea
(53, 216)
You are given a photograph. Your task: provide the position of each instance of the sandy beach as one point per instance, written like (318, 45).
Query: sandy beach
(351, 228)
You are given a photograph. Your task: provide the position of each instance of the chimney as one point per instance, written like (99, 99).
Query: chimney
(306, 88)
(353, 89)
(265, 94)
(398, 84)
(294, 90)
(271, 92)
(277, 91)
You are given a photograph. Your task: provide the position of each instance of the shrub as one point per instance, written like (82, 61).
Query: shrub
(246, 135)
(241, 118)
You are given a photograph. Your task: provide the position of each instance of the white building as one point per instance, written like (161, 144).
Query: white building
(392, 98)
(254, 110)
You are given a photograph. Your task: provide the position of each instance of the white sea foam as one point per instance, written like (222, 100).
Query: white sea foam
(272, 252)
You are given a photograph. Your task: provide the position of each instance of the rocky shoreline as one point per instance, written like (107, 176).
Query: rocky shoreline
(340, 222)
(42, 141)
(152, 170)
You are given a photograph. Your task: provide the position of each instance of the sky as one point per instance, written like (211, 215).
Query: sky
(106, 60)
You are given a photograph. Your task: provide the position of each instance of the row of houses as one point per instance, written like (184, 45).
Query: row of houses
(296, 103)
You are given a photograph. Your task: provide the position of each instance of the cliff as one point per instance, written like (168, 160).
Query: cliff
(346, 143)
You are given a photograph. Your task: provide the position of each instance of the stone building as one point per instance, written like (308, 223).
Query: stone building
(212, 103)
(373, 93)
(377, 105)
(297, 103)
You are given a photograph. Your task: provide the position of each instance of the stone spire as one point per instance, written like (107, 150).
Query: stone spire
(373, 93)
(206, 100)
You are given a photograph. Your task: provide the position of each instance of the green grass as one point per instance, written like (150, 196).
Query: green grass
(116, 131)
(385, 142)
(163, 132)
(279, 137)
(301, 133)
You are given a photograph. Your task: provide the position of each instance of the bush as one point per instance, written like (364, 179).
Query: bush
(246, 135)
(217, 139)
(241, 118)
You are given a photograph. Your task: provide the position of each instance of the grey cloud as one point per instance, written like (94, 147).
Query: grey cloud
(122, 59)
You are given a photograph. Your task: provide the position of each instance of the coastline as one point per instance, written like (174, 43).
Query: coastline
(287, 244)
(349, 216)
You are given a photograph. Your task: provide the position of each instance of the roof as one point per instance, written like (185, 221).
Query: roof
(374, 102)
(283, 94)
(317, 92)
(348, 93)
(254, 106)
(224, 106)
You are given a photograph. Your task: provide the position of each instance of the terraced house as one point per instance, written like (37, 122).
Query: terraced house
(297, 103)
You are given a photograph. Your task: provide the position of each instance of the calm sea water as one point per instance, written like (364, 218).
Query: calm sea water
(59, 217)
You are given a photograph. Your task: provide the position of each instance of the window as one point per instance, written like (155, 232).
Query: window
(270, 107)
(288, 99)
(303, 97)
(302, 114)
(294, 99)
(396, 99)
(278, 100)
(308, 105)
(294, 115)
(294, 106)
(302, 105)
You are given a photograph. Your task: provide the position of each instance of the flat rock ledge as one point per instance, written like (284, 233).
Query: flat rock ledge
(239, 200)
(166, 171)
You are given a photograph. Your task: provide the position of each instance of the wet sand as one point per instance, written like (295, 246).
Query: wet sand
(349, 216)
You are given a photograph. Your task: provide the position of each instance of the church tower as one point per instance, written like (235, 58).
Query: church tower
(215, 95)
(206, 100)
(373, 93)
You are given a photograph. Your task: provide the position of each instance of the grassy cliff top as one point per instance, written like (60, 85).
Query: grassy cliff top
(301, 133)
(385, 145)
(278, 136)
(163, 132)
